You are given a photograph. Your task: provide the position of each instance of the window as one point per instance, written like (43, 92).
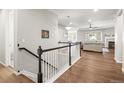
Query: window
(72, 35)
(93, 36)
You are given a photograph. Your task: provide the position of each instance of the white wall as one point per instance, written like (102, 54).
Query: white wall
(2, 38)
(107, 32)
(118, 38)
(29, 25)
(123, 42)
(81, 36)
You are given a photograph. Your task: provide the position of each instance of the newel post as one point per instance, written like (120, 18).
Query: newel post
(80, 49)
(69, 53)
(40, 75)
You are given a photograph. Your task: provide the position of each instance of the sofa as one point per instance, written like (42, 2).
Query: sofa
(94, 46)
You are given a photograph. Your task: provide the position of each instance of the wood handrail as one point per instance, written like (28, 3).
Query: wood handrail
(50, 49)
(36, 56)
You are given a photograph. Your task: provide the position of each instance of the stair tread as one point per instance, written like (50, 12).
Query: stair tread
(7, 75)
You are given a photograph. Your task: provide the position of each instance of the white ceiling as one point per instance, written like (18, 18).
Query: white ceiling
(79, 17)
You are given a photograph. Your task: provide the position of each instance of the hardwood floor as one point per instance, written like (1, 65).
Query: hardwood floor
(7, 76)
(93, 67)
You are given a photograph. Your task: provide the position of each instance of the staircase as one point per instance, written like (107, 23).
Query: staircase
(7, 75)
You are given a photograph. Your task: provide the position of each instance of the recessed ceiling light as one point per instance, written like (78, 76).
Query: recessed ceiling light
(68, 28)
(95, 10)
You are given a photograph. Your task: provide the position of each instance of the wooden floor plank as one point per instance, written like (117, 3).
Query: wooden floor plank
(94, 68)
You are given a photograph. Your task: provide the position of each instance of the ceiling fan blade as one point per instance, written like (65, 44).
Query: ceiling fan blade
(96, 27)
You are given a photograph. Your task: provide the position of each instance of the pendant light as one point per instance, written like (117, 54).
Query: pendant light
(68, 27)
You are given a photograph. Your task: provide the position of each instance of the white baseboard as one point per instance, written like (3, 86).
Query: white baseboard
(122, 70)
(61, 72)
(33, 76)
(3, 63)
(75, 60)
(16, 73)
(30, 75)
(117, 61)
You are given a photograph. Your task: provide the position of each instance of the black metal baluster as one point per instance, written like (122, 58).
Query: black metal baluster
(69, 54)
(80, 49)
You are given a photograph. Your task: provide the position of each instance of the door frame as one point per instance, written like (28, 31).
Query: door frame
(9, 37)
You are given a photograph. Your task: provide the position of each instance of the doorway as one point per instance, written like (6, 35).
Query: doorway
(9, 36)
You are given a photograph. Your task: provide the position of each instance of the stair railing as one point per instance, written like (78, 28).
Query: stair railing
(49, 66)
(41, 51)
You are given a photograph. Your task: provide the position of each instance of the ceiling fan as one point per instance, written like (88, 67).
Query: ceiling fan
(92, 27)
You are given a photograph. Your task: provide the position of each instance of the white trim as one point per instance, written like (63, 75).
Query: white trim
(16, 73)
(122, 70)
(117, 61)
(3, 63)
(28, 74)
(61, 72)
(33, 76)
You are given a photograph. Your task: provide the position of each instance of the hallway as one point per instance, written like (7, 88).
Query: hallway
(94, 68)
